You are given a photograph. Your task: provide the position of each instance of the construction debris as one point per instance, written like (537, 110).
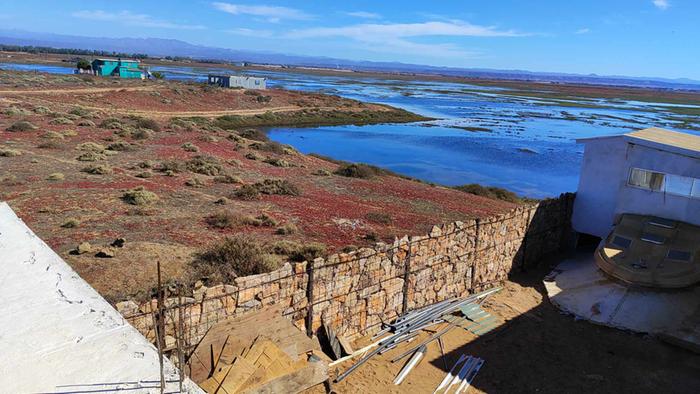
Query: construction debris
(257, 352)
(406, 327)
(417, 357)
(464, 377)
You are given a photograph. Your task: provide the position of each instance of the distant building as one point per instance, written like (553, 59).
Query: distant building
(122, 68)
(651, 172)
(237, 81)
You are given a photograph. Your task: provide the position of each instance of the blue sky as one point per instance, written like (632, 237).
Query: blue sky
(614, 37)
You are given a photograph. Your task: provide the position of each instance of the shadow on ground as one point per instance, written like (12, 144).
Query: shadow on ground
(544, 351)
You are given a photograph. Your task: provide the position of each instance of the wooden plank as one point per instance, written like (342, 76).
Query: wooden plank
(242, 331)
(314, 373)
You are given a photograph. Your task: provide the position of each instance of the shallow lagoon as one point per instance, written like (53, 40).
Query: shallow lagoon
(480, 135)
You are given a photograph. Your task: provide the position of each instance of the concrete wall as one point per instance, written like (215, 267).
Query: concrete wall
(355, 292)
(604, 172)
(603, 191)
(57, 334)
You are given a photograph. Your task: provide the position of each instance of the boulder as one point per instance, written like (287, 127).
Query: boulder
(127, 308)
(118, 243)
(84, 247)
(105, 253)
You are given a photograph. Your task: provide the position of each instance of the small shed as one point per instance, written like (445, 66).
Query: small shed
(653, 172)
(122, 68)
(237, 81)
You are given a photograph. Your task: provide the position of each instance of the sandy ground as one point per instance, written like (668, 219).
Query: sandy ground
(538, 349)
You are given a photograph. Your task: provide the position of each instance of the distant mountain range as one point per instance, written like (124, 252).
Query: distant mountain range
(168, 47)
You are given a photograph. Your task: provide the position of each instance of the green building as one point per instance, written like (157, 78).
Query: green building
(122, 68)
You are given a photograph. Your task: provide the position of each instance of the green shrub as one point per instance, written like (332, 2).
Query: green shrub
(15, 111)
(247, 193)
(205, 165)
(270, 146)
(190, 147)
(277, 186)
(86, 123)
(52, 135)
(254, 134)
(232, 257)
(358, 170)
(71, 223)
(145, 123)
(112, 123)
(144, 174)
(195, 182)
(173, 165)
(222, 220)
(278, 162)
(22, 125)
(253, 156)
(142, 134)
(121, 146)
(308, 252)
(139, 196)
(287, 229)
(491, 192)
(284, 247)
(321, 172)
(80, 111)
(56, 176)
(52, 144)
(69, 133)
(264, 99)
(9, 152)
(90, 147)
(61, 121)
(90, 156)
(97, 169)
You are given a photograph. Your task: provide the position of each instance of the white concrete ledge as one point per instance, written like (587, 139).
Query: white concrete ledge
(57, 334)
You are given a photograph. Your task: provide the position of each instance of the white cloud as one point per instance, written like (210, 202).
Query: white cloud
(374, 32)
(271, 13)
(364, 14)
(661, 4)
(584, 30)
(395, 38)
(242, 31)
(130, 18)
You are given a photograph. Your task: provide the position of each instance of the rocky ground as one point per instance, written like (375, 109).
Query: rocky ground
(85, 159)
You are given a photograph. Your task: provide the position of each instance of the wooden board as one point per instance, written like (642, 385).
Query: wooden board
(242, 332)
(312, 374)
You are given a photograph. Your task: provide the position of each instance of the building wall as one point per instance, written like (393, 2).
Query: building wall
(603, 173)
(635, 200)
(355, 292)
(603, 192)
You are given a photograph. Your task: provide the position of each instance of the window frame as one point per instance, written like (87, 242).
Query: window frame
(695, 187)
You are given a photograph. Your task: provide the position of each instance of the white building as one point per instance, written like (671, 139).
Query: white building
(237, 81)
(652, 172)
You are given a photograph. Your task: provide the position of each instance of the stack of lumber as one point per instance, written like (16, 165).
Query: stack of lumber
(260, 363)
(257, 352)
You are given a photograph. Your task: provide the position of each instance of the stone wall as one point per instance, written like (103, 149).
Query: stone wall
(355, 292)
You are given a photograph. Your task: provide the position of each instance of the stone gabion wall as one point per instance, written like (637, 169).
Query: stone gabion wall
(356, 292)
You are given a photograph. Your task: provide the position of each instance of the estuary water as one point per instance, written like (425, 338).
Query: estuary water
(480, 134)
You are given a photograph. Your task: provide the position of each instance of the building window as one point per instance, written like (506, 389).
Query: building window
(696, 189)
(646, 179)
(678, 185)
